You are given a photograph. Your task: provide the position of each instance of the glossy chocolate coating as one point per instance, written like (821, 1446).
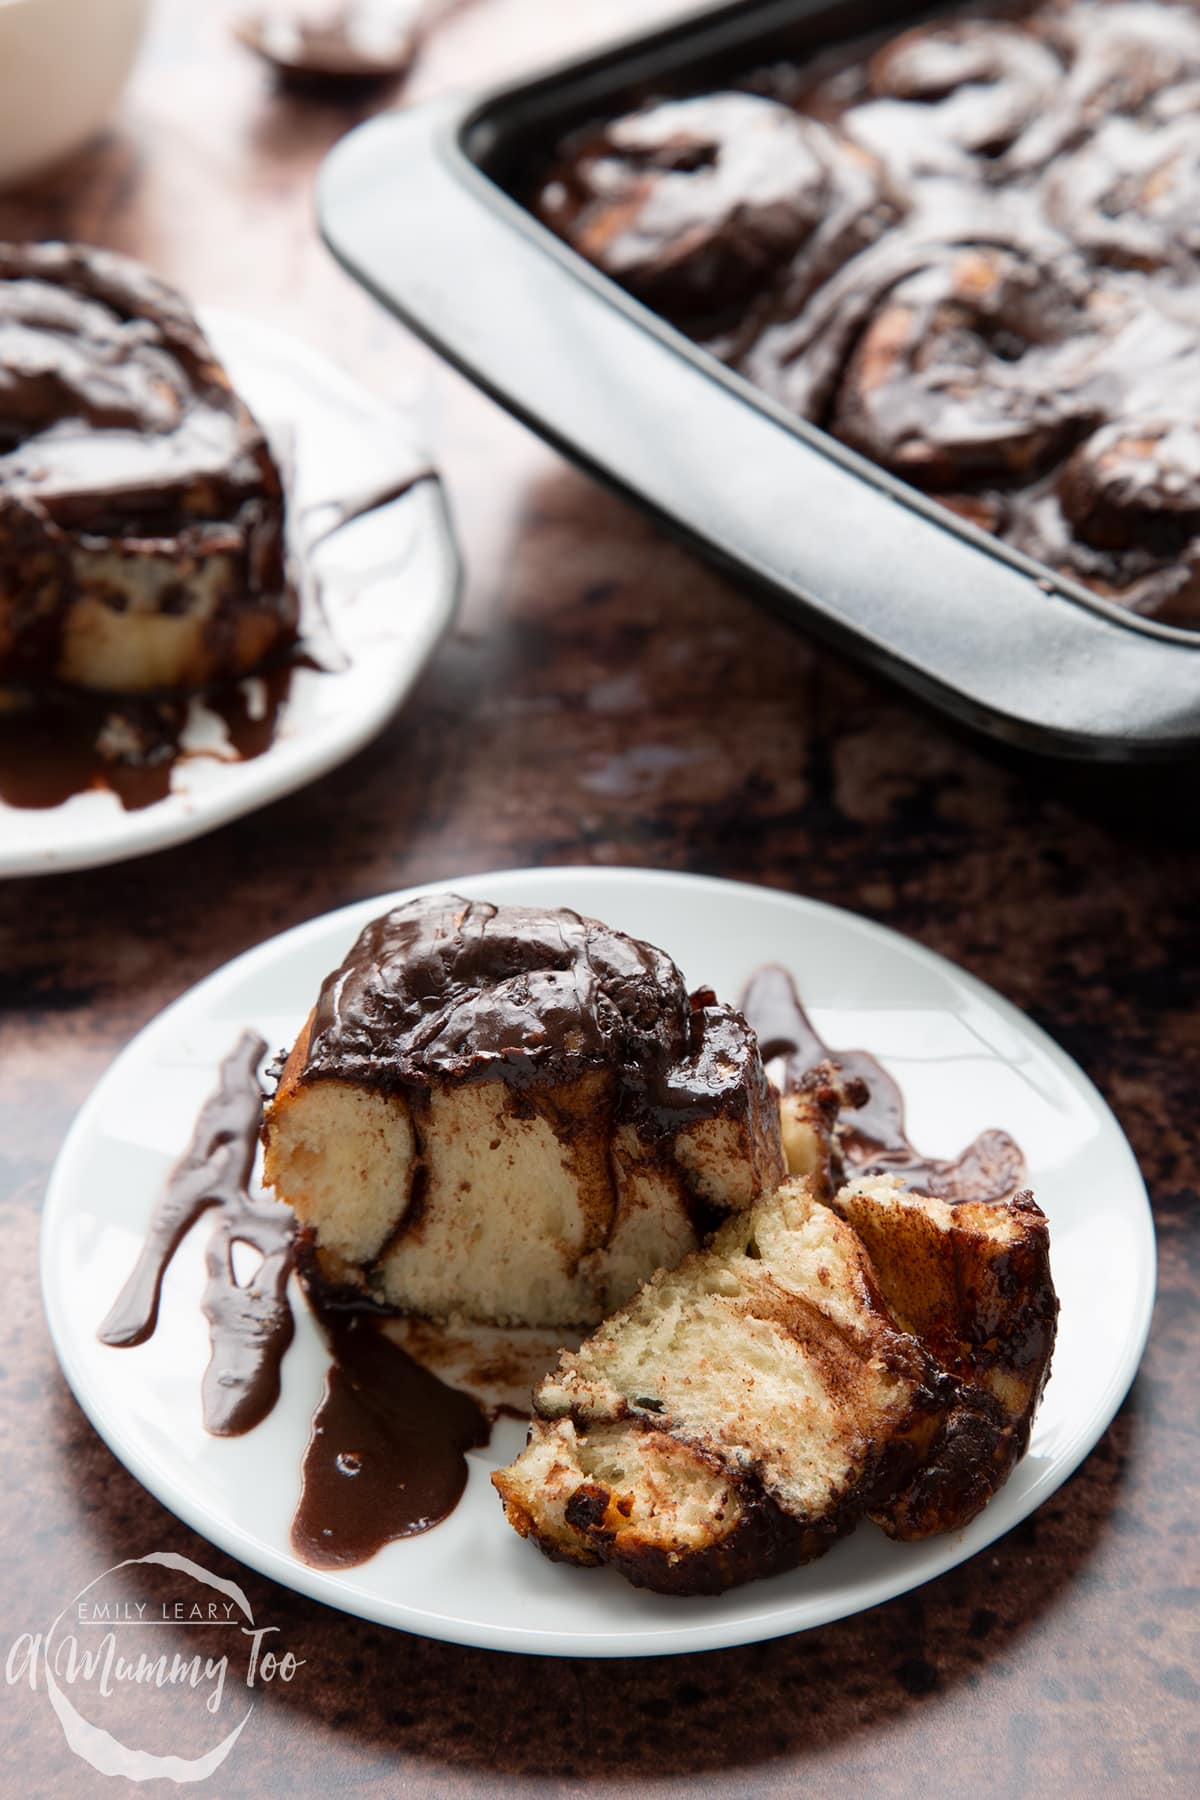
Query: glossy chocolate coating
(873, 1138)
(449, 989)
(115, 415)
(357, 40)
(1023, 336)
(124, 455)
(694, 203)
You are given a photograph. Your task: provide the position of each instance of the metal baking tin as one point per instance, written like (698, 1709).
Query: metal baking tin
(420, 207)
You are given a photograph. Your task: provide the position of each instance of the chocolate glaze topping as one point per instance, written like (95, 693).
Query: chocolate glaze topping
(349, 40)
(250, 1324)
(454, 989)
(873, 1139)
(93, 343)
(1007, 310)
(386, 1456)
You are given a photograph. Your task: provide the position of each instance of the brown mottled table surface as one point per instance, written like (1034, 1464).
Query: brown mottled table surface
(604, 698)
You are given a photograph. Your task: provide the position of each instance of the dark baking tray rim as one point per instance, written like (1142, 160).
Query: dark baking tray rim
(464, 140)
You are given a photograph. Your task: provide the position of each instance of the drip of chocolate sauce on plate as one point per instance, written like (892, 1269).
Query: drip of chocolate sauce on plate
(386, 1457)
(322, 518)
(71, 744)
(55, 744)
(873, 1138)
(59, 744)
(250, 1324)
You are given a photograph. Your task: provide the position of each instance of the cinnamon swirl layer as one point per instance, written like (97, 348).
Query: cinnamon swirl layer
(141, 513)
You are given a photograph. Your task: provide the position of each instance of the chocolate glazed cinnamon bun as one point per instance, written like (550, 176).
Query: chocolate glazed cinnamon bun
(969, 368)
(943, 93)
(1130, 197)
(141, 512)
(695, 204)
(1123, 511)
(1120, 59)
(1123, 515)
(956, 349)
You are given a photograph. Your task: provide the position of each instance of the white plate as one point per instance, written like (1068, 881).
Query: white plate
(965, 1059)
(389, 582)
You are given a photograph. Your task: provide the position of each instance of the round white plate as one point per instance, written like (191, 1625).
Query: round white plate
(965, 1059)
(389, 585)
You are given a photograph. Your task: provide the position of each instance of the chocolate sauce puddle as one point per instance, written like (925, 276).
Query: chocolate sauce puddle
(250, 1326)
(58, 744)
(386, 1458)
(873, 1138)
(66, 745)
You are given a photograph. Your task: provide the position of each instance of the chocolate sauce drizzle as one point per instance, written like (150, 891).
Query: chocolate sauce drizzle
(386, 1457)
(321, 518)
(250, 1326)
(873, 1139)
(64, 743)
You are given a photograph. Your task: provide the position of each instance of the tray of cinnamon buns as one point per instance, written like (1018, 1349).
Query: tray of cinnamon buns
(895, 313)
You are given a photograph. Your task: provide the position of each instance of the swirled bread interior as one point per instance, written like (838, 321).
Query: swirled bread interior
(747, 1408)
